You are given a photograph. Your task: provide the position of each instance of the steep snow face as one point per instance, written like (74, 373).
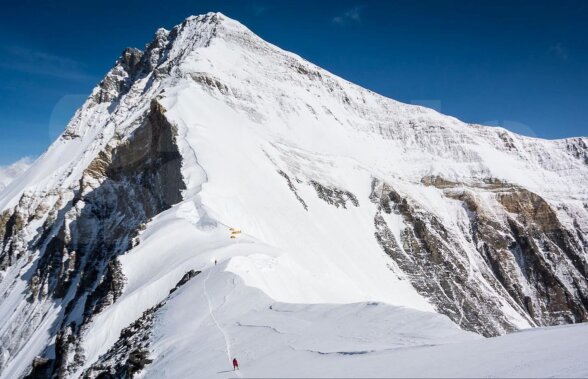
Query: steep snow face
(342, 197)
(477, 219)
(293, 101)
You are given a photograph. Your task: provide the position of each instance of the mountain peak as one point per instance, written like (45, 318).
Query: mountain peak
(209, 16)
(212, 19)
(344, 197)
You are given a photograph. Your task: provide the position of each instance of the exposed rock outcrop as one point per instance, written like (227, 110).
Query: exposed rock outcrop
(333, 195)
(122, 188)
(293, 189)
(437, 265)
(515, 243)
(130, 354)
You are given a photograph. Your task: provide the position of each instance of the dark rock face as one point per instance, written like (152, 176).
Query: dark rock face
(11, 225)
(542, 247)
(210, 82)
(185, 279)
(42, 368)
(121, 190)
(528, 257)
(333, 195)
(293, 189)
(121, 77)
(132, 65)
(579, 148)
(329, 194)
(130, 354)
(537, 260)
(434, 264)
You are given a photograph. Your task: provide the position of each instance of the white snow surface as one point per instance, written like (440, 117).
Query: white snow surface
(10, 172)
(216, 317)
(301, 292)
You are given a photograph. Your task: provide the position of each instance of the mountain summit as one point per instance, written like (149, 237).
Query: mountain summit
(216, 196)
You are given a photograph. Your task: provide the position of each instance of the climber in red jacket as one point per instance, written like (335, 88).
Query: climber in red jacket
(235, 364)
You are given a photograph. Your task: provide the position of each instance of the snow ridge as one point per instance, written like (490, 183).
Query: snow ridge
(220, 328)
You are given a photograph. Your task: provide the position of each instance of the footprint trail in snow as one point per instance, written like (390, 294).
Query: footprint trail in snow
(219, 327)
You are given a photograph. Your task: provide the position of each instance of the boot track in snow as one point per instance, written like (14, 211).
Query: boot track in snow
(219, 327)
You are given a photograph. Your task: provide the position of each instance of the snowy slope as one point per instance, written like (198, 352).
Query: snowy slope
(362, 339)
(322, 133)
(368, 226)
(12, 171)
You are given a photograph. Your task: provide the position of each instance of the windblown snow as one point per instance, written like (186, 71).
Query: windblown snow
(291, 156)
(10, 172)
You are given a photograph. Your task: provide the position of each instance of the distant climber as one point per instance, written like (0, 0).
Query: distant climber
(235, 364)
(215, 262)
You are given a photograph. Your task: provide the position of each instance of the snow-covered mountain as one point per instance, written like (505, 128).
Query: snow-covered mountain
(217, 196)
(12, 171)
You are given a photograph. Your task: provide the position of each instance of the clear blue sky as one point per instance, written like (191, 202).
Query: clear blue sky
(521, 64)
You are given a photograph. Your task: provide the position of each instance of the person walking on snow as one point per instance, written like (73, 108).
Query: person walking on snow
(235, 364)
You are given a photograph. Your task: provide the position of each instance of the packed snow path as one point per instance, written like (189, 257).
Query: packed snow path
(219, 327)
(368, 339)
